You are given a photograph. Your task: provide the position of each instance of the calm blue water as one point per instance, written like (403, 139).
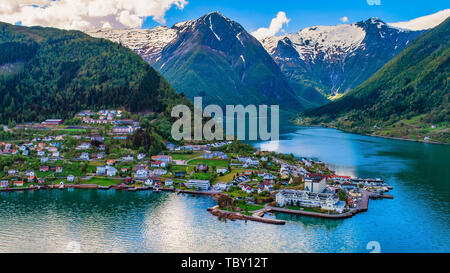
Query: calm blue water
(417, 220)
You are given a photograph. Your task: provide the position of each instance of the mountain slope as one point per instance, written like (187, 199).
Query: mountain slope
(407, 97)
(213, 57)
(335, 59)
(46, 72)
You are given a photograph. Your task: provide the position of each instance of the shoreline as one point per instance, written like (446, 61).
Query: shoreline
(373, 135)
(114, 187)
(257, 216)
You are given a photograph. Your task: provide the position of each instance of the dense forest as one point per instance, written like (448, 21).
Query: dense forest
(51, 73)
(409, 93)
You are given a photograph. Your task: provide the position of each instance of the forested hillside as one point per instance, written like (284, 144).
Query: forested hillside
(51, 73)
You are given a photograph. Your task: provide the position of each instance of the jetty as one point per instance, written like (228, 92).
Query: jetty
(224, 214)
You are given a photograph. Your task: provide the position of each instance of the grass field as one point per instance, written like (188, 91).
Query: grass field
(184, 156)
(211, 162)
(101, 181)
(229, 176)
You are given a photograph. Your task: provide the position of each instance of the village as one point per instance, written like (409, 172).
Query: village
(245, 182)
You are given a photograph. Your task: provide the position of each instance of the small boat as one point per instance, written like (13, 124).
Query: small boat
(155, 189)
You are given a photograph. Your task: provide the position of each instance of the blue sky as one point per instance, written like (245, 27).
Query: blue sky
(253, 14)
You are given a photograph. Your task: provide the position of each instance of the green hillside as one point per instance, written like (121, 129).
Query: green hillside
(51, 73)
(407, 98)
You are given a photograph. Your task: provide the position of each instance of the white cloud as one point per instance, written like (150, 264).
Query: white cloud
(344, 19)
(276, 25)
(86, 14)
(374, 2)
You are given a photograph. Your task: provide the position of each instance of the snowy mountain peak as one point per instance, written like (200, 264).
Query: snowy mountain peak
(326, 41)
(425, 22)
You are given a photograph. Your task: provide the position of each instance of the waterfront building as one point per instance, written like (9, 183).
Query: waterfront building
(198, 184)
(309, 199)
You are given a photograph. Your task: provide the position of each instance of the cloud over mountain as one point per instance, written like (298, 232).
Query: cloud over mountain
(276, 25)
(86, 14)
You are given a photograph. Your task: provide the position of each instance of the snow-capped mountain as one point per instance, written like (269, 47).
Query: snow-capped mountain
(424, 22)
(337, 58)
(213, 57)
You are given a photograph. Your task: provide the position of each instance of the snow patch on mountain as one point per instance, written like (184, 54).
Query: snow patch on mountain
(425, 22)
(148, 43)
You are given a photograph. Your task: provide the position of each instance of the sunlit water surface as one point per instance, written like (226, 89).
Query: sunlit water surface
(417, 220)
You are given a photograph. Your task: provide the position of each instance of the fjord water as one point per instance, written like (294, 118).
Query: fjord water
(417, 220)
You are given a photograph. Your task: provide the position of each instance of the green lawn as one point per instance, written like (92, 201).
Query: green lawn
(250, 207)
(202, 176)
(105, 182)
(184, 156)
(211, 162)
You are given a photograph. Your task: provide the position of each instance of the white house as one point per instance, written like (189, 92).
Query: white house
(84, 156)
(141, 156)
(222, 170)
(168, 182)
(159, 172)
(141, 173)
(111, 171)
(70, 178)
(101, 170)
(128, 158)
(148, 182)
(221, 186)
(247, 189)
(4, 183)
